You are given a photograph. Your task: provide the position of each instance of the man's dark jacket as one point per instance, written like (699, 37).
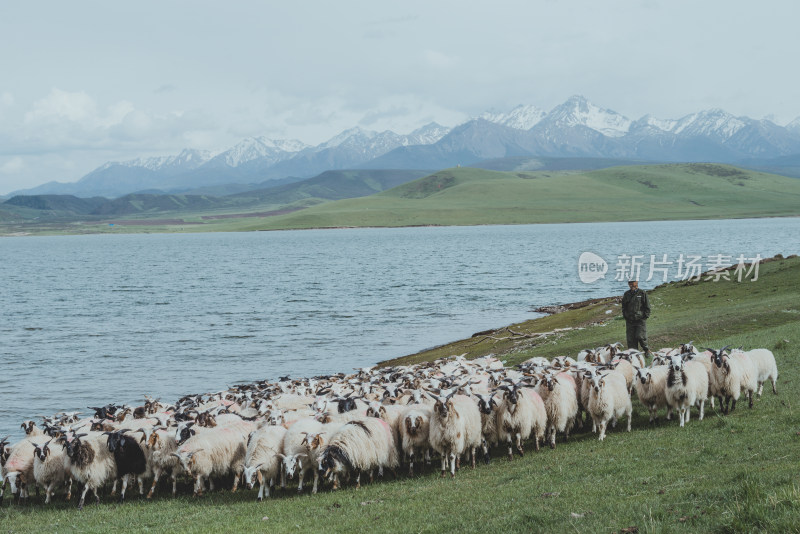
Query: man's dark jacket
(635, 305)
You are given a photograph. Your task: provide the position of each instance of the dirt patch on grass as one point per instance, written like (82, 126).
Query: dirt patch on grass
(257, 214)
(150, 222)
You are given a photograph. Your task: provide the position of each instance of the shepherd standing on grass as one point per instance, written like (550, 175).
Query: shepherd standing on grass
(636, 310)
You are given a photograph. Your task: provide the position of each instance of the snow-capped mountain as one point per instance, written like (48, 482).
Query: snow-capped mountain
(262, 148)
(577, 111)
(187, 159)
(521, 117)
(270, 151)
(576, 128)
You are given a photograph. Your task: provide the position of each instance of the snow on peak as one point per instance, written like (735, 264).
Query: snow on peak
(428, 134)
(349, 136)
(187, 159)
(579, 111)
(521, 117)
(794, 125)
(712, 122)
(273, 150)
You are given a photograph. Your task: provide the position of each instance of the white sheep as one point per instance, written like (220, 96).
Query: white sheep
(687, 386)
(89, 462)
(734, 375)
(49, 469)
(262, 460)
(414, 430)
(766, 368)
(560, 403)
(487, 405)
(159, 446)
(520, 414)
(360, 445)
(651, 388)
(608, 401)
(17, 469)
(218, 451)
(455, 428)
(298, 443)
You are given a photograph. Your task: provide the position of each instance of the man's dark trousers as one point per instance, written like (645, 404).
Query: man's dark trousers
(636, 332)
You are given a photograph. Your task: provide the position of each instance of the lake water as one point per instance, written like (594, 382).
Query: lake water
(88, 320)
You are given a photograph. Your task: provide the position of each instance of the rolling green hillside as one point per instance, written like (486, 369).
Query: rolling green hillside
(465, 196)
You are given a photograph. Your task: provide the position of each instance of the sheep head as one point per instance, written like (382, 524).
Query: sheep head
(28, 426)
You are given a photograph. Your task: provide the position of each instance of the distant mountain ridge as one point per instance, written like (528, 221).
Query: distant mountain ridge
(577, 128)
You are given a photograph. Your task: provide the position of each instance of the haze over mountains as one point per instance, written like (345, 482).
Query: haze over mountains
(576, 128)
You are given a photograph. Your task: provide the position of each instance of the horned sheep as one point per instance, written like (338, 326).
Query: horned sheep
(687, 386)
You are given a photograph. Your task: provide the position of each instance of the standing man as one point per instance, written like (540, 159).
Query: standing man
(636, 310)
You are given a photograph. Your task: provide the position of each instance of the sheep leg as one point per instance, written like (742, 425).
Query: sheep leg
(48, 491)
(316, 482)
(302, 475)
(602, 430)
(174, 483)
(198, 486)
(411, 462)
(732, 405)
(682, 415)
(69, 489)
(536, 441)
(358, 480)
(444, 464)
(702, 408)
(83, 497)
(510, 450)
(774, 384)
(114, 487)
(141, 485)
(428, 456)
(519, 444)
(485, 448)
(749, 399)
(630, 416)
(260, 496)
(156, 475)
(236, 478)
(453, 460)
(96, 496)
(473, 457)
(688, 413)
(124, 487)
(283, 480)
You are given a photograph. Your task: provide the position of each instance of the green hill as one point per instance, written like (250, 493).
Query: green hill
(334, 185)
(466, 196)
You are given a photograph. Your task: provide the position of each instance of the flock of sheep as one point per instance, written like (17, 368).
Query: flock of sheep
(341, 427)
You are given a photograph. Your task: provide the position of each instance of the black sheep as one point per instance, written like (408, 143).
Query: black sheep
(129, 458)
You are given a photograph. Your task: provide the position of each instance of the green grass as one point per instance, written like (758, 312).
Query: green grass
(468, 196)
(465, 196)
(736, 473)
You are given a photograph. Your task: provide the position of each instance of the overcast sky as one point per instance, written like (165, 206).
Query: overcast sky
(82, 83)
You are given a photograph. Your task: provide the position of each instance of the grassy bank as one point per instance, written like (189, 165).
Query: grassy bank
(464, 196)
(468, 196)
(737, 473)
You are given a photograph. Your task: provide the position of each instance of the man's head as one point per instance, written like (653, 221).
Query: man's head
(633, 284)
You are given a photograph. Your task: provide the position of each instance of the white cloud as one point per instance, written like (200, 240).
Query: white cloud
(6, 99)
(439, 60)
(63, 105)
(12, 166)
